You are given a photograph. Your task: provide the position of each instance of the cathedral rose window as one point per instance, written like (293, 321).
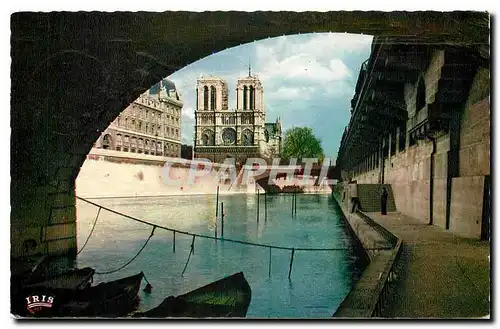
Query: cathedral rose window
(229, 136)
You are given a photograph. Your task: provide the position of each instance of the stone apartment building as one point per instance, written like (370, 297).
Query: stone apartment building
(150, 125)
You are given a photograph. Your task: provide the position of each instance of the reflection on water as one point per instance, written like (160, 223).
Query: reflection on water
(320, 279)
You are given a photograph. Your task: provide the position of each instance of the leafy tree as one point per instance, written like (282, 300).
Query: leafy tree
(301, 143)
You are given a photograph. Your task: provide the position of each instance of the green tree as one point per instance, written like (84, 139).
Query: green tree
(301, 143)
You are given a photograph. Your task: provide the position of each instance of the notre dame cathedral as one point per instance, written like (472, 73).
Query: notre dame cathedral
(241, 133)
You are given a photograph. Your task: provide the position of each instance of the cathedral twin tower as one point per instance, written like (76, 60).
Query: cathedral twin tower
(221, 133)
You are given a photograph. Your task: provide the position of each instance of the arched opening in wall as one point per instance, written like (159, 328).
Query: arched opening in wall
(245, 97)
(224, 133)
(252, 97)
(205, 98)
(88, 78)
(213, 98)
(107, 142)
(248, 137)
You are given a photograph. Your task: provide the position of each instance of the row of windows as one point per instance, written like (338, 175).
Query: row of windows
(228, 137)
(138, 110)
(226, 120)
(148, 128)
(138, 143)
(213, 98)
(153, 115)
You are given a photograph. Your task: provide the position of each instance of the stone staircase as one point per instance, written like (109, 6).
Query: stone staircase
(369, 197)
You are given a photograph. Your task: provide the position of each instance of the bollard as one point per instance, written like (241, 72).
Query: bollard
(265, 206)
(258, 210)
(270, 261)
(295, 203)
(217, 204)
(222, 218)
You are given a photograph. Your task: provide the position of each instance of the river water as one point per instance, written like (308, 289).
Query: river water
(319, 280)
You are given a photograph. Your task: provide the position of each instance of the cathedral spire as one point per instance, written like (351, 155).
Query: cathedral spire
(249, 67)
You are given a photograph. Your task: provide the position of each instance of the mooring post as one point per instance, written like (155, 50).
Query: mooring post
(258, 210)
(292, 204)
(217, 204)
(222, 218)
(295, 203)
(291, 262)
(270, 261)
(265, 206)
(174, 242)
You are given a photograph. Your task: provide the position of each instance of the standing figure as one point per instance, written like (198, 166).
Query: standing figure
(383, 201)
(354, 197)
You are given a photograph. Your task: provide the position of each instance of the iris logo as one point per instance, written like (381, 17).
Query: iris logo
(36, 303)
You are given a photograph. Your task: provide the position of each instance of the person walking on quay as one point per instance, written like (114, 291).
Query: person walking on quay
(383, 201)
(353, 191)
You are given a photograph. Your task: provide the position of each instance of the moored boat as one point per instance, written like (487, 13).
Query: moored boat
(71, 279)
(228, 297)
(108, 299)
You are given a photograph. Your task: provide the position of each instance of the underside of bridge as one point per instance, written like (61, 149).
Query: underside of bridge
(73, 73)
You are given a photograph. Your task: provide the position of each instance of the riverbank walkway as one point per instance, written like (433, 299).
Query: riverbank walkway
(440, 275)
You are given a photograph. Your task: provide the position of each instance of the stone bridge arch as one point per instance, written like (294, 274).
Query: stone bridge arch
(73, 73)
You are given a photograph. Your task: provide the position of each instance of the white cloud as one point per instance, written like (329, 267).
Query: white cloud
(291, 93)
(188, 112)
(307, 60)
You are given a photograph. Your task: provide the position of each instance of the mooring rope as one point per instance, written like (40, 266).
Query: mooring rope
(194, 235)
(91, 231)
(221, 238)
(133, 258)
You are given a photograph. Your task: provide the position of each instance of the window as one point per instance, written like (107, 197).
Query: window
(205, 98)
(213, 98)
(252, 98)
(245, 97)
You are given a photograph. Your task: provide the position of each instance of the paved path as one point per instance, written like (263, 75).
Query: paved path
(440, 275)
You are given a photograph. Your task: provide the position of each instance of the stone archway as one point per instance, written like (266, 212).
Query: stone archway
(82, 69)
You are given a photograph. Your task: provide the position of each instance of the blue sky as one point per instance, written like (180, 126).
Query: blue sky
(308, 80)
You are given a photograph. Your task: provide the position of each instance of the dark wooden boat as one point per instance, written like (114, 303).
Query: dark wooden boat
(37, 284)
(71, 279)
(107, 299)
(228, 297)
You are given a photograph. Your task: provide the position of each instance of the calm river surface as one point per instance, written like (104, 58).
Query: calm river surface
(319, 281)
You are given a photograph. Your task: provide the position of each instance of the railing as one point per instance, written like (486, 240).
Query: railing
(386, 279)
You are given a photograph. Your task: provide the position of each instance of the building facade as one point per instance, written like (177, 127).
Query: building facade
(150, 125)
(241, 133)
